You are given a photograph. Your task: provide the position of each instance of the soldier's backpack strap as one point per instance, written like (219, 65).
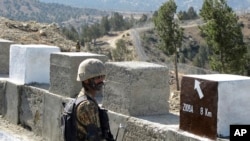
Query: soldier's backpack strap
(80, 99)
(68, 118)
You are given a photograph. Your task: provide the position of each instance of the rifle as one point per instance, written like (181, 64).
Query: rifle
(118, 130)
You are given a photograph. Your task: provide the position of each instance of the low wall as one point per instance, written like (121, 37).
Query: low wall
(187, 69)
(138, 91)
(39, 111)
(2, 92)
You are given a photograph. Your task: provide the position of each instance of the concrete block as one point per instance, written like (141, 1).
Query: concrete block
(2, 94)
(52, 117)
(63, 71)
(31, 108)
(211, 103)
(4, 56)
(136, 88)
(12, 102)
(30, 63)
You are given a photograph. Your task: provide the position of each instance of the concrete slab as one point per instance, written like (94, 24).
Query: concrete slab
(136, 88)
(30, 63)
(2, 94)
(63, 71)
(12, 101)
(211, 103)
(31, 108)
(52, 117)
(5, 56)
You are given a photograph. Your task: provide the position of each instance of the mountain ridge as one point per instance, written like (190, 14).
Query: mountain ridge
(142, 6)
(25, 10)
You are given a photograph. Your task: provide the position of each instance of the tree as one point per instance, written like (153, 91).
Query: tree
(190, 14)
(169, 31)
(200, 60)
(143, 19)
(105, 25)
(86, 35)
(224, 37)
(70, 33)
(117, 21)
(95, 32)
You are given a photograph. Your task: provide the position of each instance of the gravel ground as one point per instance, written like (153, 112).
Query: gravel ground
(12, 132)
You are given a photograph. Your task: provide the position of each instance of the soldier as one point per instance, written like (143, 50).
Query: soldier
(91, 126)
(78, 46)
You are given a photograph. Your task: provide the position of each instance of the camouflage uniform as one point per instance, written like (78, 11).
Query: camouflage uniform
(87, 115)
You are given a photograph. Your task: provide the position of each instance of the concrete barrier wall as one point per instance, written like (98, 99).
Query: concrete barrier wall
(2, 92)
(142, 129)
(4, 56)
(32, 108)
(63, 71)
(39, 110)
(12, 101)
(187, 69)
(51, 119)
(136, 88)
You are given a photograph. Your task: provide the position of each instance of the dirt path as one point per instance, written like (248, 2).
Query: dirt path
(113, 40)
(135, 37)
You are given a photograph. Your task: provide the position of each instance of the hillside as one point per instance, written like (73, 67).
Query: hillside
(32, 32)
(143, 6)
(24, 10)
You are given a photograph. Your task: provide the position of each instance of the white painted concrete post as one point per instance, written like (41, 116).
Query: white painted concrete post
(30, 63)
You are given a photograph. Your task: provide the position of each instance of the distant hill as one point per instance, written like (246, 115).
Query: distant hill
(79, 12)
(24, 10)
(143, 5)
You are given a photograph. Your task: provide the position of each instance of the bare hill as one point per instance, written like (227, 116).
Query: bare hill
(32, 32)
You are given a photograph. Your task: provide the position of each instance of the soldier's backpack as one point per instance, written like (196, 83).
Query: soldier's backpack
(68, 119)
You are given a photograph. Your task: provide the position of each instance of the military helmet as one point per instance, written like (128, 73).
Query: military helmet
(90, 68)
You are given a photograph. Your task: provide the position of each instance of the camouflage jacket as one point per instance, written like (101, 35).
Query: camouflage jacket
(88, 122)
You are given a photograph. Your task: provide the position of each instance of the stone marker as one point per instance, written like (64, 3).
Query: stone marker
(136, 88)
(4, 56)
(63, 71)
(211, 103)
(30, 63)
